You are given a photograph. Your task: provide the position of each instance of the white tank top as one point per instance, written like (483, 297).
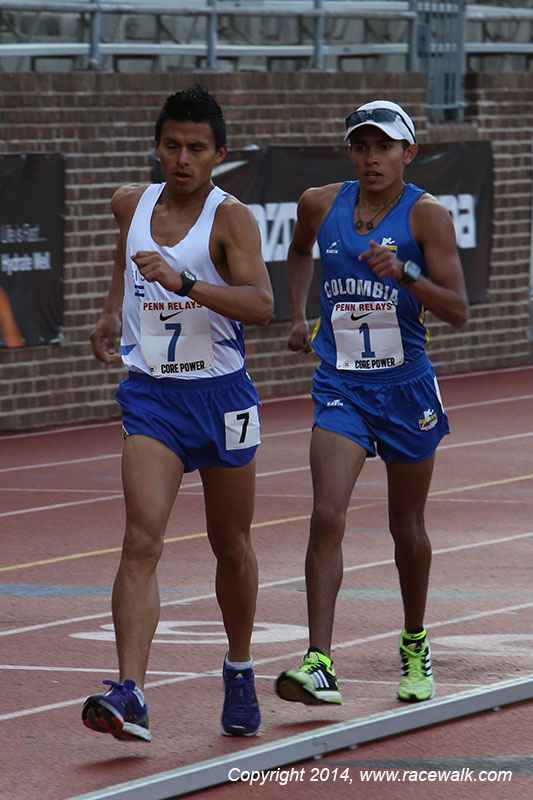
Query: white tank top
(163, 334)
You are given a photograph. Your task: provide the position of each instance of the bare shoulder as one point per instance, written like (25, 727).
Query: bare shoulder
(429, 216)
(235, 222)
(315, 203)
(125, 199)
(233, 212)
(319, 197)
(427, 206)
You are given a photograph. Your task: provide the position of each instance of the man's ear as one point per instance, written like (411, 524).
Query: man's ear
(410, 153)
(221, 154)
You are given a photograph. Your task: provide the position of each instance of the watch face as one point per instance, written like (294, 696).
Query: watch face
(411, 271)
(189, 275)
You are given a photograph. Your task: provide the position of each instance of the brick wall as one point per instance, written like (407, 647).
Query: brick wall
(103, 122)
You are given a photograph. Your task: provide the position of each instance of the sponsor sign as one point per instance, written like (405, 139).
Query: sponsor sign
(271, 179)
(32, 189)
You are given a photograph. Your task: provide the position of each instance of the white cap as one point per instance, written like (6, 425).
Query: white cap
(397, 127)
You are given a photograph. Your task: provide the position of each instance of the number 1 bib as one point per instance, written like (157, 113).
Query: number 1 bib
(367, 335)
(176, 342)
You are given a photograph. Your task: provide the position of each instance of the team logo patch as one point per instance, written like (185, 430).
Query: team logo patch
(428, 421)
(388, 241)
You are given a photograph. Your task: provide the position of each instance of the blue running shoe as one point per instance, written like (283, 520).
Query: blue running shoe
(119, 712)
(240, 715)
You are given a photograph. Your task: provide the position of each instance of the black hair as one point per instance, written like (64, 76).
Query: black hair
(195, 105)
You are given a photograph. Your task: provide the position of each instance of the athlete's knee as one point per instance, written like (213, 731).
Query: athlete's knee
(232, 548)
(327, 525)
(409, 533)
(142, 545)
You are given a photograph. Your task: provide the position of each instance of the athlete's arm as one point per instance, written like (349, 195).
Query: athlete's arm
(443, 291)
(235, 249)
(106, 332)
(312, 208)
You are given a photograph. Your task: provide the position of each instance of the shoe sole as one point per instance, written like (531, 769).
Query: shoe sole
(239, 733)
(289, 689)
(99, 718)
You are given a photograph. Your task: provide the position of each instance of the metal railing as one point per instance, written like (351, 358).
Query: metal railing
(210, 48)
(429, 36)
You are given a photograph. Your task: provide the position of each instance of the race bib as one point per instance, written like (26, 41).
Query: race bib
(367, 335)
(176, 338)
(242, 428)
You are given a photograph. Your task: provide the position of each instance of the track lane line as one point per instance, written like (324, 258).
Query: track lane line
(270, 584)
(272, 659)
(69, 462)
(270, 473)
(377, 501)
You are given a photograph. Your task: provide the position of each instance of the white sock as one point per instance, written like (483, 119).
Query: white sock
(239, 665)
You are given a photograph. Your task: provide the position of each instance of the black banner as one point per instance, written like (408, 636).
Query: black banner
(270, 180)
(32, 199)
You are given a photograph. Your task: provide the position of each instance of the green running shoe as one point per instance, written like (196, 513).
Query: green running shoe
(416, 683)
(313, 683)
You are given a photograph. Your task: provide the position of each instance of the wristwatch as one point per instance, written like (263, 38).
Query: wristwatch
(188, 280)
(410, 272)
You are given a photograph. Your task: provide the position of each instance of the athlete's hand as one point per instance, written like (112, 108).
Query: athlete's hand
(299, 338)
(153, 267)
(382, 261)
(104, 338)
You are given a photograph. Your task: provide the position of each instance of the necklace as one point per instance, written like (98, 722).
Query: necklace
(369, 223)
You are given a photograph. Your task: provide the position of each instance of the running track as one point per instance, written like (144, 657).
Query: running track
(61, 516)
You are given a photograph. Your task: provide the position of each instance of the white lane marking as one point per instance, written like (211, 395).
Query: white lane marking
(198, 483)
(69, 462)
(271, 659)
(269, 584)
(203, 632)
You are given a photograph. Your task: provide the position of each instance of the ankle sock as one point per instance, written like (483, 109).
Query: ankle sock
(239, 665)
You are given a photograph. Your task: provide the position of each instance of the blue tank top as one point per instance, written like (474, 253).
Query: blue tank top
(367, 324)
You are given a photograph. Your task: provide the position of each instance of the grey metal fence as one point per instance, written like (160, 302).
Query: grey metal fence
(442, 38)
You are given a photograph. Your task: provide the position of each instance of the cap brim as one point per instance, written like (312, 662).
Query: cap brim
(391, 131)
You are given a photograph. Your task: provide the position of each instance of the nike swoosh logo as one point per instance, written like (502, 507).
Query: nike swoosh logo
(164, 318)
(361, 316)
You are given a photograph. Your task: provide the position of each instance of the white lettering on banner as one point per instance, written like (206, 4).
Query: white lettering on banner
(10, 234)
(276, 222)
(42, 261)
(462, 211)
(25, 263)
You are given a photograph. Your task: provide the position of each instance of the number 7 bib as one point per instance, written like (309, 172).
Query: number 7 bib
(367, 335)
(176, 342)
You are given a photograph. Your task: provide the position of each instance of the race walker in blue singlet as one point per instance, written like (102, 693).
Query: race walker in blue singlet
(388, 251)
(371, 335)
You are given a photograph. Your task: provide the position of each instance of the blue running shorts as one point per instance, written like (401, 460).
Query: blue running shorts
(207, 422)
(400, 414)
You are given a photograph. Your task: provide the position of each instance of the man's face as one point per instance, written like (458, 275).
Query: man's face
(378, 160)
(187, 153)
